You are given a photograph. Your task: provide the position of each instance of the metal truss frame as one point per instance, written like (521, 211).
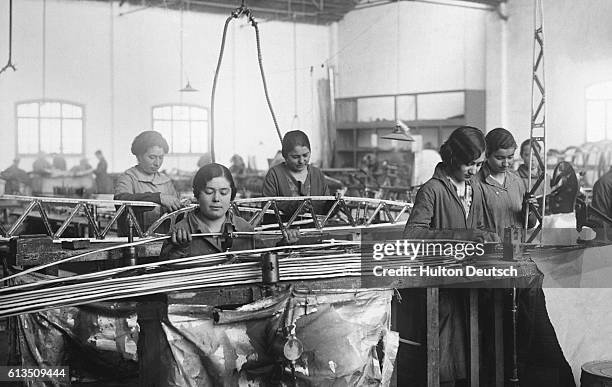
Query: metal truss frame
(87, 207)
(537, 133)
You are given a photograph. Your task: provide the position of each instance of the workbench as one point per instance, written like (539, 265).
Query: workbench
(528, 276)
(37, 250)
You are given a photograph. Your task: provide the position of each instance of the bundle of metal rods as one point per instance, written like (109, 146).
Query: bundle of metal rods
(204, 272)
(296, 263)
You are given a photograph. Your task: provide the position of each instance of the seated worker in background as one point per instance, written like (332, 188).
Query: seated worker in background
(144, 182)
(504, 191)
(295, 177)
(41, 165)
(214, 189)
(15, 177)
(536, 171)
(600, 213)
(448, 206)
(238, 169)
(83, 168)
(205, 159)
(104, 183)
(59, 162)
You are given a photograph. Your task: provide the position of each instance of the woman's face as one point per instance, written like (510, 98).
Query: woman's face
(215, 198)
(525, 156)
(466, 171)
(297, 159)
(501, 160)
(151, 160)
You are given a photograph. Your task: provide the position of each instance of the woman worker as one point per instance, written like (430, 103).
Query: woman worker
(451, 199)
(295, 176)
(214, 189)
(504, 192)
(449, 206)
(144, 182)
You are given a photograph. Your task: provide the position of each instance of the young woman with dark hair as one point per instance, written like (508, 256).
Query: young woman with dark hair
(295, 176)
(504, 190)
(452, 199)
(449, 206)
(144, 181)
(214, 189)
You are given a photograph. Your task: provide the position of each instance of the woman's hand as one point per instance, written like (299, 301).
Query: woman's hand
(171, 202)
(181, 237)
(291, 236)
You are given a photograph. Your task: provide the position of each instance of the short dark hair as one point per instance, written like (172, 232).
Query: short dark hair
(499, 138)
(527, 143)
(146, 140)
(292, 139)
(98, 152)
(464, 145)
(209, 172)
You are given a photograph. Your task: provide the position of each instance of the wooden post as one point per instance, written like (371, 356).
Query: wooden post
(499, 336)
(474, 340)
(433, 337)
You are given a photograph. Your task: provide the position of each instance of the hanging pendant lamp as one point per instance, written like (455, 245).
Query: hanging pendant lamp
(400, 132)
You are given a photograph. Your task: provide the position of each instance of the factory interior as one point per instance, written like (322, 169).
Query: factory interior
(305, 193)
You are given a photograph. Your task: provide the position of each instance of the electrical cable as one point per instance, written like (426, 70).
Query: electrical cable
(9, 64)
(214, 88)
(263, 77)
(238, 12)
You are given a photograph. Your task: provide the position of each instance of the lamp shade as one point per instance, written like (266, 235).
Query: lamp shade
(400, 133)
(188, 88)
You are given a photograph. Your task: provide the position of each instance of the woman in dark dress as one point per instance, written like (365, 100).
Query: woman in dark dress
(295, 176)
(448, 206)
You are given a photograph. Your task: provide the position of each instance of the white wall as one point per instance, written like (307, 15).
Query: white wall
(578, 53)
(440, 48)
(145, 71)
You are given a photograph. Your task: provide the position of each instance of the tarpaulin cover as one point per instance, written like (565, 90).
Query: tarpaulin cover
(346, 340)
(580, 317)
(97, 342)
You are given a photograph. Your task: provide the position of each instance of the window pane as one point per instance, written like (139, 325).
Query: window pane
(71, 111)
(600, 91)
(164, 127)
(440, 106)
(27, 110)
(27, 135)
(596, 120)
(608, 120)
(72, 132)
(50, 109)
(180, 137)
(406, 107)
(199, 137)
(162, 113)
(375, 108)
(180, 112)
(50, 135)
(199, 113)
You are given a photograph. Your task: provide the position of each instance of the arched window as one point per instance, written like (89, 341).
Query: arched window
(185, 127)
(50, 126)
(599, 112)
